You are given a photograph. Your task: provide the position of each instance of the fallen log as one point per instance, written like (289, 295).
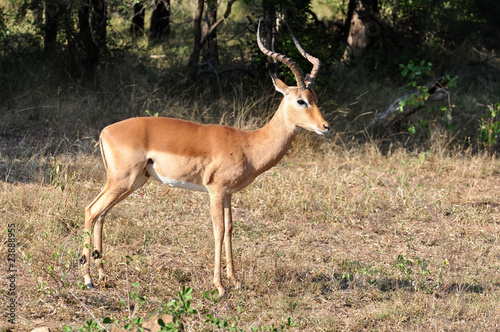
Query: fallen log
(395, 113)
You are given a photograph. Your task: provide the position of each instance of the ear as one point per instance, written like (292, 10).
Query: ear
(279, 85)
(307, 80)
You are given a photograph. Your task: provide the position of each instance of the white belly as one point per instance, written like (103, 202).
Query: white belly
(173, 182)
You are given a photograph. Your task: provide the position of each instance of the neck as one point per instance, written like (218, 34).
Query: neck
(271, 142)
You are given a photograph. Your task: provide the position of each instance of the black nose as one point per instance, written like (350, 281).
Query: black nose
(327, 128)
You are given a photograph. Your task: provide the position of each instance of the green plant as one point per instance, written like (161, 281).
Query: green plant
(93, 326)
(415, 73)
(136, 322)
(177, 309)
(134, 295)
(61, 175)
(137, 301)
(90, 326)
(226, 325)
(356, 270)
(408, 267)
(283, 327)
(444, 263)
(151, 114)
(223, 324)
(489, 126)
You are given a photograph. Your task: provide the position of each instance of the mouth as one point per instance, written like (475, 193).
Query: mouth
(322, 132)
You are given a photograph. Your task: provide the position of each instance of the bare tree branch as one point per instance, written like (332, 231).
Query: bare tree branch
(393, 113)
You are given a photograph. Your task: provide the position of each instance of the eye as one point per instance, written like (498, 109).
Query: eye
(301, 102)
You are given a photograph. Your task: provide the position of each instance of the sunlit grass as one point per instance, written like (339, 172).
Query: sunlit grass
(317, 239)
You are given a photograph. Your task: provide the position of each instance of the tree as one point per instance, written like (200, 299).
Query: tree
(92, 16)
(361, 26)
(201, 38)
(210, 51)
(160, 20)
(269, 9)
(53, 11)
(293, 13)
(137, 25)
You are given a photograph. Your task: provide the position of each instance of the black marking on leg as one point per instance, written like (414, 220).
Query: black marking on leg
(83, 260)
(96, 254)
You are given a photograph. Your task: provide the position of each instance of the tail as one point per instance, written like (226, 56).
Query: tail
(102, 153)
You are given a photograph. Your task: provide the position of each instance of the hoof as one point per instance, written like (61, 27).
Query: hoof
(89, 286)
(103, 278)
(222, 292)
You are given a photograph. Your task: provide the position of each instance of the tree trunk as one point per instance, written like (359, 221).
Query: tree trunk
(269, 33)
(53, 10)
(137, 25)
(210, 51)
(91, 49)
(92, 22)
(99, 21)
(160, 20)
(200, 40)
(361, 26)
(195, 55)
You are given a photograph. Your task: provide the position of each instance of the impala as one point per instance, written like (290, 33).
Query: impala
(216, 159)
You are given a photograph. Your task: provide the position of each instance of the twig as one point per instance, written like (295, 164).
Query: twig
(128, 292)
(90, 312)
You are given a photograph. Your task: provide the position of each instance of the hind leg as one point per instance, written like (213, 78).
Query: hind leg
(112, 194)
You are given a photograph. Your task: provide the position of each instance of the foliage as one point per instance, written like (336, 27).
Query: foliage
(227, 325)
(433, 23)
(407, 267)
(178, 309)
(283, 327)
(92, 326)
(489, 126)
(137, 300)
(61, 175)
(415, 74)
(416, 271)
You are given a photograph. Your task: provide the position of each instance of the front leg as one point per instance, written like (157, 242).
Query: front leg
(228, 235)
(97, 254)
(217, 212)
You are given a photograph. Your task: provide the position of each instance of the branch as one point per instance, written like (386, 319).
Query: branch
(216, 24)
(393, 114)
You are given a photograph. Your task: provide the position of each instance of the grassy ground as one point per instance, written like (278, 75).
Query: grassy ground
(335, 238)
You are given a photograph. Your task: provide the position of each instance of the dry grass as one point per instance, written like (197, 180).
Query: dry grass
(316, 239)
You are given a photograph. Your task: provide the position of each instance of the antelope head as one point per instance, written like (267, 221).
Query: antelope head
(300, 102)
